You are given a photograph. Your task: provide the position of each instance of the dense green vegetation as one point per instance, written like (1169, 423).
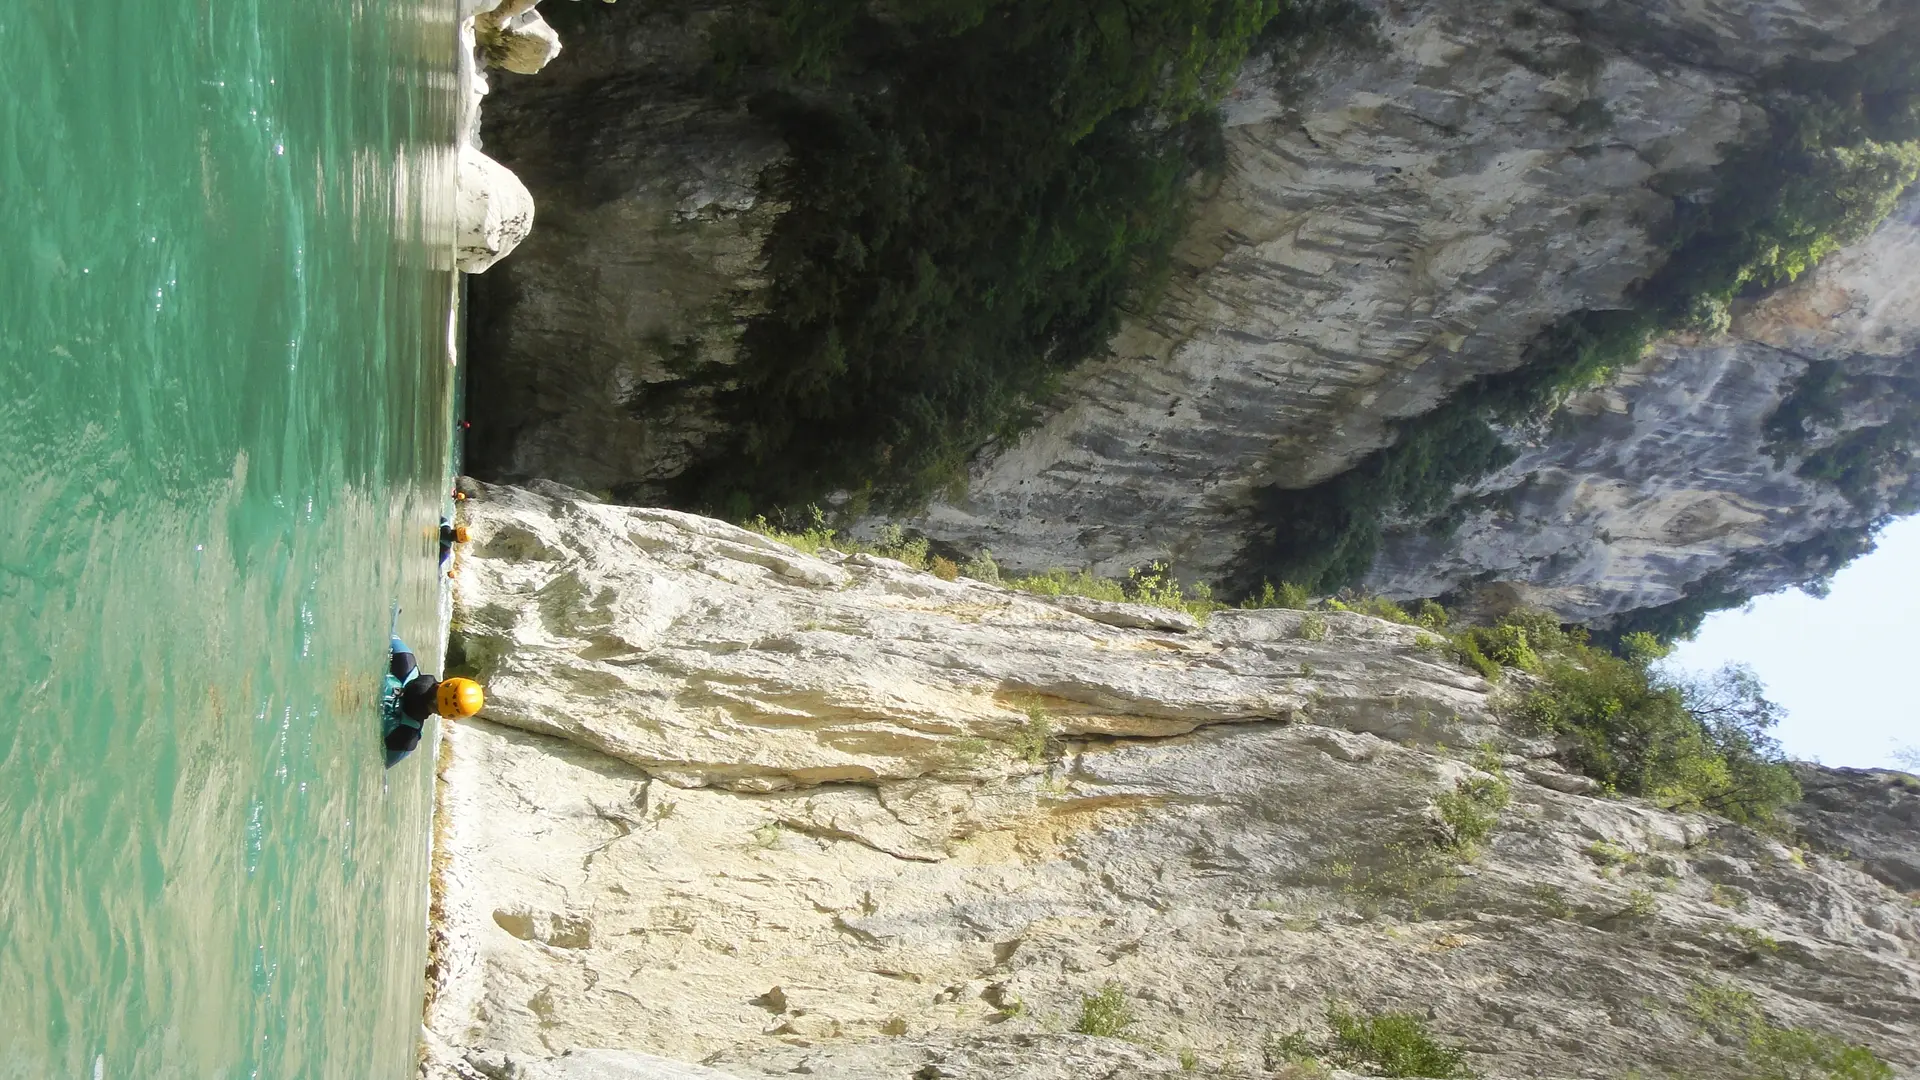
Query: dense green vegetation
(977, 188)
(1376, 1044)
(1772, 1051)
(1843, 141)
(1105, 1013)
(1686, 743)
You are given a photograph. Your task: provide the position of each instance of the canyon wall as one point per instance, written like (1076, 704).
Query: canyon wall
(1393, 220)
(782, 814)
(1665, 477)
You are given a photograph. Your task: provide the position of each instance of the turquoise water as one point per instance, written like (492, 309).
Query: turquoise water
(224, 431)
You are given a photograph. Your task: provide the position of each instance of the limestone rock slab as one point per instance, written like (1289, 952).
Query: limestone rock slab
(692, 825)
(714, 655)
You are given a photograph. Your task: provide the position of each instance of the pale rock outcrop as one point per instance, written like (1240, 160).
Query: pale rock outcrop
(495, 211)
(526, 44)
(792, 815)
(572, 1065)
(713, 655)
(515, 38)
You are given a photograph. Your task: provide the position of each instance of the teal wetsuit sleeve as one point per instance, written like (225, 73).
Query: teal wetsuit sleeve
(403, 666)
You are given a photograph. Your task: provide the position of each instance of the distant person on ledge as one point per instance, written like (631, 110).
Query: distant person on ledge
(418, 696)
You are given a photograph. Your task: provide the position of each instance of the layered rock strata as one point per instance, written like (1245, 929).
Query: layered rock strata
(1392, 222)
(1668, 475)
(784, 814)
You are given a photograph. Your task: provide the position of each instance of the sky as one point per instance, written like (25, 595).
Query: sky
(1846, 667)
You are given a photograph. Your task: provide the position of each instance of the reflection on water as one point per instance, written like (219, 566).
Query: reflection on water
(223, 443)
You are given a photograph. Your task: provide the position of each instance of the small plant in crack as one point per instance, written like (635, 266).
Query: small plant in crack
(1030, 742)
(1104, 1013)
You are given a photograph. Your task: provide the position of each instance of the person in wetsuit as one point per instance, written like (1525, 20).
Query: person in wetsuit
(421, 696)
(450, 534)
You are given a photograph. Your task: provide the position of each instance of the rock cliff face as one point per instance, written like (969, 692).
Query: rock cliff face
(1872, 815)
(650, 233)
(1665, 477)
(830, 816)
(1392, 222)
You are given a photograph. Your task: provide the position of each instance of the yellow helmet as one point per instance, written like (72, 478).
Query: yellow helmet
(459, 534)
(458, 697)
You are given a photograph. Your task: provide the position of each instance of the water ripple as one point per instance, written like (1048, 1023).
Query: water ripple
(223, 437)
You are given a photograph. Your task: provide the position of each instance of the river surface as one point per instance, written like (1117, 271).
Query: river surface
(225, 403)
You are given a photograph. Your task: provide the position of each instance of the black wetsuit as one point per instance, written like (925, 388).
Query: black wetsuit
(446, 542)
(417, 701)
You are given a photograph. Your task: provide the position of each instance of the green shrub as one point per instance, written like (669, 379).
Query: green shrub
(1553, 900)
(1153, 585)
(1609, 855)
(1376, 1044)
(1506, 645)
(982, 568)
(1752, 940)
(1687, 743)
(810, 539)
(1057, 582)
(1313, 627)
(1104, 1013)
(1774, 1052)
(813, 536)
(1294, 1047)
(1381, 608)
(1466, 649)
(895, 544)
(1471, 811)
(944, 568)
(1411, 874)
(1392, 1044)
(1692, 744)
(1728, 897)
(1287, 595)
(1030, 742)
(1429, 615)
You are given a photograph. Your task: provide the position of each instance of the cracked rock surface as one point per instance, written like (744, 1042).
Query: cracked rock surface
(783, 815)
(1392, 222)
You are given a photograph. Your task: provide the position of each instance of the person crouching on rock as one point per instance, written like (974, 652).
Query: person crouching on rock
(417, 696)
